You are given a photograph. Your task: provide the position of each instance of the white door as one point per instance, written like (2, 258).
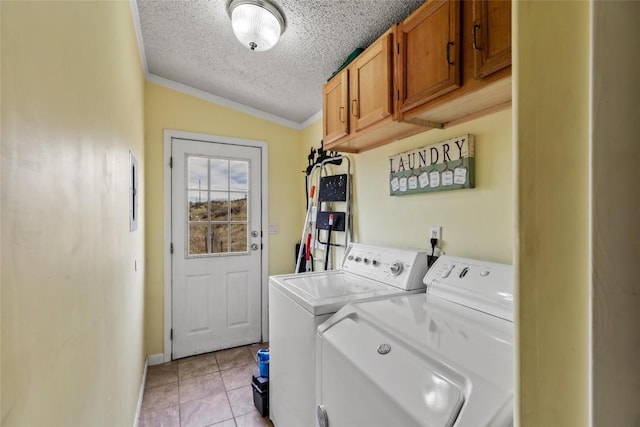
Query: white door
(216, 235)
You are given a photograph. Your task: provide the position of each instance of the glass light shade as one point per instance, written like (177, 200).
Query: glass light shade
(256, 24)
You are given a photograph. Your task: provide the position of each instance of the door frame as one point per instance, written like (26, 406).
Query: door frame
(169, 135)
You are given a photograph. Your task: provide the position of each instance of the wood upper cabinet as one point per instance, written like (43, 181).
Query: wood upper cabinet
(335, 108)
(482, 85)
(371, 84)
(447, 63)
(428, 53)
(491, 35)
(359, 109)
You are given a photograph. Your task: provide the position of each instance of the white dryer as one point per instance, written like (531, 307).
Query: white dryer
(299, 303)
(440, 359)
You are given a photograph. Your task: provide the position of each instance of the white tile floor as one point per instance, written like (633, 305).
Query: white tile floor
(212, 389)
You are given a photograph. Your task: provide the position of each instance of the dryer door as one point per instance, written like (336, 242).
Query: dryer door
(368, 378)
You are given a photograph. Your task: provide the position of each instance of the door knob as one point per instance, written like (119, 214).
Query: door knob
(254, 246)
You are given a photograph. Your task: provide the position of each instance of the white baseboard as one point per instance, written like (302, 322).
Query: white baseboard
(136, 420)
(155, 359)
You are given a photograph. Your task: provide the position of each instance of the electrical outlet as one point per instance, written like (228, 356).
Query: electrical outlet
(436, 232)
(274, 228)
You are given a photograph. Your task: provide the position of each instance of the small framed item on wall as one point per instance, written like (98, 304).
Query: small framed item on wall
(446, 165)
(133, 193)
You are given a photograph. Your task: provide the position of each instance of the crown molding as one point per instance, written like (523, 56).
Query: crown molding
(171, 84)
(133, 4)
(317, 116)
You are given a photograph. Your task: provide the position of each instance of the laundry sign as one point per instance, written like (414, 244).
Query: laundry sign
(446, 165)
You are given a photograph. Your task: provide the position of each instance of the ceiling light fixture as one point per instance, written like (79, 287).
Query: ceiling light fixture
(257, 24)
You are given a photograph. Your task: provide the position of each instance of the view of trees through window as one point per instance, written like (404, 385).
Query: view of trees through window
(217, 194)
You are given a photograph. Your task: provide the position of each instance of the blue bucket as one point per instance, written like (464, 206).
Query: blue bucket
(263, 362)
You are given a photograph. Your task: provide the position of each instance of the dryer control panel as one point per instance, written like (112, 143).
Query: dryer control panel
(401, 268)
(481, 285)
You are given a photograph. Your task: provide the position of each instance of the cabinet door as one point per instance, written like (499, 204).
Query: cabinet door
(429, 53)
(491, 36)
(370, 84)
(335, 113)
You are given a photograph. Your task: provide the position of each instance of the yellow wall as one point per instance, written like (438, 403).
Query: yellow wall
(72, 302)
(168, 109)
(551, 104)
(475, 222)
(310, 137)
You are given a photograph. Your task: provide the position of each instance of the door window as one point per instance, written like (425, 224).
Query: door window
(218, 198)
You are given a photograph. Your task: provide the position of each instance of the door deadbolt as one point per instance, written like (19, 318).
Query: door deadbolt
(254, 234)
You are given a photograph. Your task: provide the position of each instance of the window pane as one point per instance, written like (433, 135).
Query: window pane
(220, 239)
(197, 238)
(239, 237)
(197, 171)
(198, 206)
(238, 206)
(239, 175)
(219, 206)
(219, 174)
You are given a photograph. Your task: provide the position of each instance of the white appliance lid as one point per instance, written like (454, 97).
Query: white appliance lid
(327, 291)
(463, 337)
(429, 392)
(367, 272)
(330, 285)
(473, 351)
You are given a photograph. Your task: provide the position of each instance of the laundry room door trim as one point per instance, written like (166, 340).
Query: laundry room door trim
(170, 134)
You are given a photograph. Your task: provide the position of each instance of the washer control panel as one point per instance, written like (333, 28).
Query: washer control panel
(402, 268)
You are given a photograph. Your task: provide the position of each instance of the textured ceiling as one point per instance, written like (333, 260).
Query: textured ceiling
(191, 43)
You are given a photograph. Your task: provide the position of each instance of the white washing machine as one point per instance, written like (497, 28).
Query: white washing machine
(440, 359)
(299, 303)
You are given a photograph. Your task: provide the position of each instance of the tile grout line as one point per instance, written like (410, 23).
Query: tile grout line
(226, 393)
(179, 405)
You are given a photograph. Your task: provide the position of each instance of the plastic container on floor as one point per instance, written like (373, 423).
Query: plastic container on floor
(260, 386)
(263, 362)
